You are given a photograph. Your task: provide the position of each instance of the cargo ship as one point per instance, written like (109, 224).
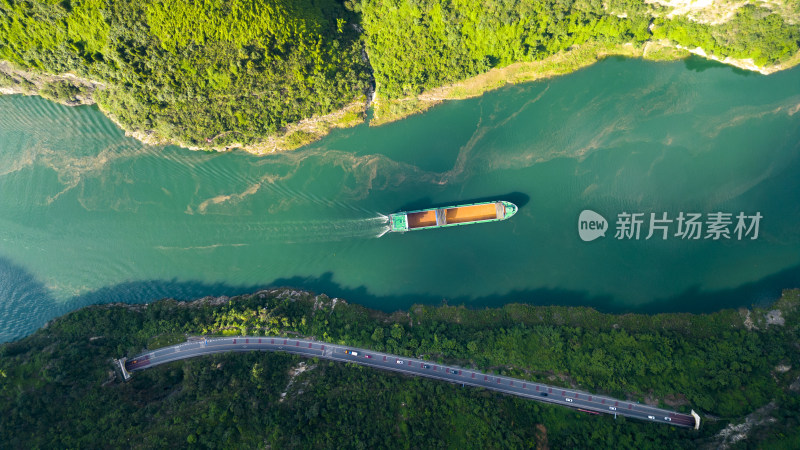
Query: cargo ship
(451, 216)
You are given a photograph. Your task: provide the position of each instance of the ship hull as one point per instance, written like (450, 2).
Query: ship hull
(451, 216)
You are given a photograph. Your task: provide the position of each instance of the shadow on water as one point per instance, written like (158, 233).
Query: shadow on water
(518, 198)
(699, 64)
(26, 304)
(759, 293)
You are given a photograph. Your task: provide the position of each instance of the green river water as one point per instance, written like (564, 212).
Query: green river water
(88, 215)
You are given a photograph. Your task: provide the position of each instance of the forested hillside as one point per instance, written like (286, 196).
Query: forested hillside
(421, 45)
(203, 72)
(58, 387)
(210, 73)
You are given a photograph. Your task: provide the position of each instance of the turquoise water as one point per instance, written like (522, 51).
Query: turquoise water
(88, 215)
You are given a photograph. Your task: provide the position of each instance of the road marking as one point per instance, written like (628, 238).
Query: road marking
(192, 348)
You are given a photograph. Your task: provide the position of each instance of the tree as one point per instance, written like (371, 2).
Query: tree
(377, 335)
(397, 332)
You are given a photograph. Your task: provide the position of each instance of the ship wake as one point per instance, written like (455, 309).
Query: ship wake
(326, 230)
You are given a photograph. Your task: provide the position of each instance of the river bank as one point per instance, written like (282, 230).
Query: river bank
(72, 90)
(67, 89)
(562, 63)
(295, 135)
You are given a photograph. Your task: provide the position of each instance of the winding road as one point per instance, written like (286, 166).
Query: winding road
(580, 400)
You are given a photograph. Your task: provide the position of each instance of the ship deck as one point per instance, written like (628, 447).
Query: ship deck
(422, 219)
(472, 213)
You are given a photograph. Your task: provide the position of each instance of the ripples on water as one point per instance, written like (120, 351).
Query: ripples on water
(24, 303)
(90, 216)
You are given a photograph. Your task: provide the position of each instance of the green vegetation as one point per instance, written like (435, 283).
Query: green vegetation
(57, 387)
(388, 110)
(6, 80)
(61, 91)
(218, 72)
(419, 46)
(165, 340)
(752, 33)
(422, 45)
(203, 72)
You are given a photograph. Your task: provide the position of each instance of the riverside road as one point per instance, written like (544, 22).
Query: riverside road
(514, 386)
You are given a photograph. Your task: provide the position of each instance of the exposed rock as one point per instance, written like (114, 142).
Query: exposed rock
(748, 322)
(541, 432)
(746, 64)
(702, 11)
(774, 317)
(293, 373)
(80, 91)
(676, 400)
(732, 434)
(650, 401)
(112, 376)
